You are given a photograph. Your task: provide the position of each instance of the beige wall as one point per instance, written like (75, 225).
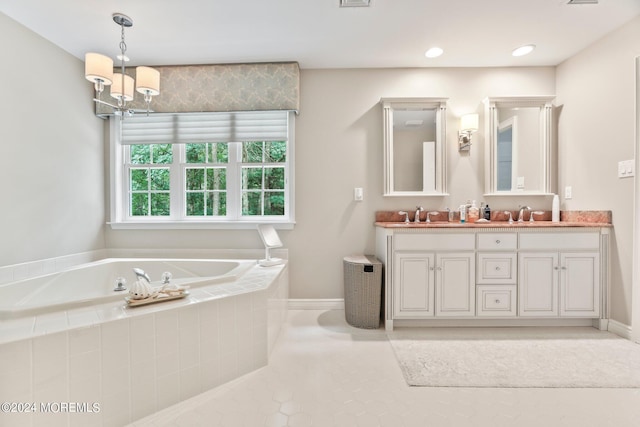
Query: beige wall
(339, 147)
(596, 130)
(52, 160)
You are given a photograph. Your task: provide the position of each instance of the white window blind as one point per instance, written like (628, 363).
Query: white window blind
(205, 127)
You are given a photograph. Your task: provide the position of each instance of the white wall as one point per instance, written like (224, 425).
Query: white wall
(597, 125)
(52, 160)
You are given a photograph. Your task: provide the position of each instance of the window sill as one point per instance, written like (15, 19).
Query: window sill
(197, 225)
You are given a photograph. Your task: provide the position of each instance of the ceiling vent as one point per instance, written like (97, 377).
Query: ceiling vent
(583, 2)
(355, 3)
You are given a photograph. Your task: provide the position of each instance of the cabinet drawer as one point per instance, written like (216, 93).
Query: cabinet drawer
(496, 300)
(560, 241)
(497, 268)
(433, 241)
(497, 241)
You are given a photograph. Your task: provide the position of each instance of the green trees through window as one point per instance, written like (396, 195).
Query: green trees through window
(255, 171)
(263, 178)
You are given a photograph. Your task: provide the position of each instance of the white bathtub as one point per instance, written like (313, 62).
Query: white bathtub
(94, 283)
(75, 348)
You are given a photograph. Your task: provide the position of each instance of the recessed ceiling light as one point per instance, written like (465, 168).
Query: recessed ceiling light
(523, 50)
(434, 52)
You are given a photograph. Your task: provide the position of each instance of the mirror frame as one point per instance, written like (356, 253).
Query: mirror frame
(440, 105)
(547, 158)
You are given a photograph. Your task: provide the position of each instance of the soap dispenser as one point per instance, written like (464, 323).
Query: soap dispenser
(487, 213)
(474, 213)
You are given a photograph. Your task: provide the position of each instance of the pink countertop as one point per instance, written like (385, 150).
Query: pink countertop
(392, 219)
(492, 224)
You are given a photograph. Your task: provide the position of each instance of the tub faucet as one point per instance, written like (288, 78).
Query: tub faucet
(418, 210)
(141, 274)
(521, 213)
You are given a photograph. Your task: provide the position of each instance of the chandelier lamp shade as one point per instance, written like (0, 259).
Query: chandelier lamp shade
(99, 70)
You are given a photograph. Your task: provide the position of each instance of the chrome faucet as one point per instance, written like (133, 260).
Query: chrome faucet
(141, 274)
(510, 216)
(406, 215)
(429, 215)
(521, 213)
(418, 210)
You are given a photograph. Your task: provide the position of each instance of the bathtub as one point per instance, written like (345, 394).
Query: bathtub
(94, 283)
(68, 337)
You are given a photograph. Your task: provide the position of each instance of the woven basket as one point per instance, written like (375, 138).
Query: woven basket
(362, 291)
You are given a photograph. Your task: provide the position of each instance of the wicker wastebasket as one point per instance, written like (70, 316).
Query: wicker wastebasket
(362, 291)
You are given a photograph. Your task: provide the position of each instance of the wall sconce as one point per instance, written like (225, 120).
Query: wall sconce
(468, 125)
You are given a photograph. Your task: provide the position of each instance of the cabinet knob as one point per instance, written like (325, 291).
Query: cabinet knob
(497, 301)
(497, 268)
(556, 268)
(431, 268)
(497, 241)
(564, 268)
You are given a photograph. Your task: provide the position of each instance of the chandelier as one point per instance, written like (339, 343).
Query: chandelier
(99, 70)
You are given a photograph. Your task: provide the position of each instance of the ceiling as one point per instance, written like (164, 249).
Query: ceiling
(320, 34)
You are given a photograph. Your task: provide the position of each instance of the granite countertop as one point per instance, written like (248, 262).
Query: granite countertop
(499, 219)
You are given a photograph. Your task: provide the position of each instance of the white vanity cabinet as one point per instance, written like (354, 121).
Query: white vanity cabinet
(502, 276)
(560, 275)
(497, 274)
(433, 275)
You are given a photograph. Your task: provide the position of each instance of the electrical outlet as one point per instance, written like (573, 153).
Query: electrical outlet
(567, 192)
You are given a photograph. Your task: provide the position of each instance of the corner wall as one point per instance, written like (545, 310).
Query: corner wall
(597, 125)
(52, 160)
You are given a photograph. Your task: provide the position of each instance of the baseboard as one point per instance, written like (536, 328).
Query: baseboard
(619, 329)
(316, 304)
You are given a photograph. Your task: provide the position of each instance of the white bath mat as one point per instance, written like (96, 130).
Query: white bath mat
(516, 357)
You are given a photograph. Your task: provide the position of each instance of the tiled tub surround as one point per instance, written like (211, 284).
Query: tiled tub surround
(136, 361)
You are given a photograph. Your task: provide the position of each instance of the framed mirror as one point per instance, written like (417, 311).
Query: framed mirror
(519, 149)
(414, 152)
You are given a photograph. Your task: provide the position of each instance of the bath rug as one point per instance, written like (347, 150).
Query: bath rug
(516, 357)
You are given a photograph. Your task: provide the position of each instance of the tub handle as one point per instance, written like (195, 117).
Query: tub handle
(120, 284)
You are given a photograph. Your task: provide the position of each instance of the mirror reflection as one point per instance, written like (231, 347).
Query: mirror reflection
(520, 145)
(414, 138)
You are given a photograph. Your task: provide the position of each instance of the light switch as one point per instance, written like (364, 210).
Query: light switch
(358, 194)
(567, 192)
(626, 168)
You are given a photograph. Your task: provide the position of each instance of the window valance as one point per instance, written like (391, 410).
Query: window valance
(228, 87)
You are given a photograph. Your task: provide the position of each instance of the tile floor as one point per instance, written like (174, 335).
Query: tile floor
(326, 373)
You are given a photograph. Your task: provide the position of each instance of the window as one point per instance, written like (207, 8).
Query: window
(202, 170)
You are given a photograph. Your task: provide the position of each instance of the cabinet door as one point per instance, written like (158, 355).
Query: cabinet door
(455, 285)
(538, 284)
(413, 285)
(579, 284)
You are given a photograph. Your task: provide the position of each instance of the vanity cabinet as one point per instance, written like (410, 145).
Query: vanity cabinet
(560, 276)
(497, 274)
(507, 276)
(433, 275)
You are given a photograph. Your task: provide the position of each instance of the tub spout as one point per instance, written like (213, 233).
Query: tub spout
(141, 274)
